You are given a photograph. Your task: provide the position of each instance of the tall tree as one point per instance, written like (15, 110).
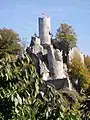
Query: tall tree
(66, 36)
(9, 42)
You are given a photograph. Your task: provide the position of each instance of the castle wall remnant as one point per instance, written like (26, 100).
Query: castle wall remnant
(35, 45)
(36, 40)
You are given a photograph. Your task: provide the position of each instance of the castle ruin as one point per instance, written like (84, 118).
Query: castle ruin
(49, 60)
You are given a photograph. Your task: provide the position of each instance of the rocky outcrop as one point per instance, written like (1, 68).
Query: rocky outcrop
(54, 68)
(74, 52)
(49, 64)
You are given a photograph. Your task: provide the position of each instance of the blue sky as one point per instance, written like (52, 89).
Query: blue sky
(22, 15)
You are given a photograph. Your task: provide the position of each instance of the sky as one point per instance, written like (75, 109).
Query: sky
(22, 17)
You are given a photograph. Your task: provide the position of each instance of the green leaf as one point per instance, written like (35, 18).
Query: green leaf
(19, 99)
(16, 101)
(61, 115)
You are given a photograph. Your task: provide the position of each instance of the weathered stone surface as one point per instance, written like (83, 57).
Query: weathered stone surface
(75, 51)
(35, 46)
(57, 70)
(35, 40)
(55, 62)
(44, 72)
(57, 83)
(58, 55)
(37, 49)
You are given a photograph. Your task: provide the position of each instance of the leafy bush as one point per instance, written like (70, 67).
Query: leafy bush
(19, 86)
(22, 99)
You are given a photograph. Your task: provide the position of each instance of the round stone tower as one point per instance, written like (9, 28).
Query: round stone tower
(44, 30)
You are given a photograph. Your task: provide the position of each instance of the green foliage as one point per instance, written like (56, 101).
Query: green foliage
(85, 105)
(79, 71)
(72, 100)
(67, 37)
(87, 62)
(9, 42)
(22, 99)
(19, 85)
